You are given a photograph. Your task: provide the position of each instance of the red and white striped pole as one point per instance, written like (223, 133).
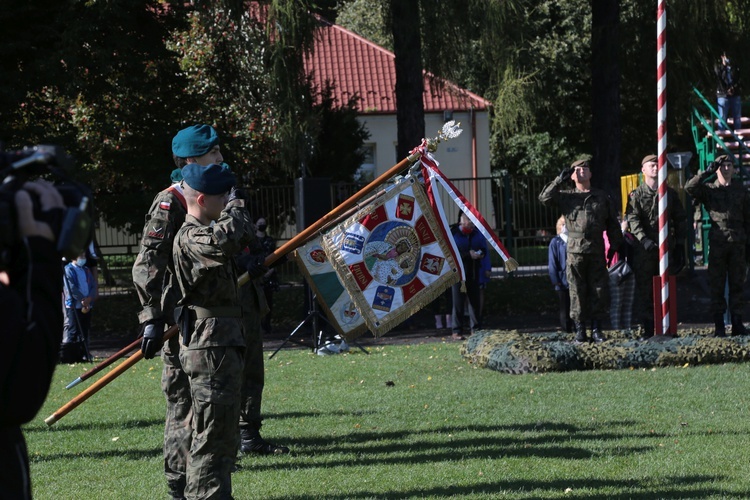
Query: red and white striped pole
(661, 94)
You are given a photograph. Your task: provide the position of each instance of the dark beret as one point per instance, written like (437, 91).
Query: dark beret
(649, 158)
(212, 179)
(579, 163)
(194, 141)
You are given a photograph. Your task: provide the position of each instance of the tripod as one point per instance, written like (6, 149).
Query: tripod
(314, 316)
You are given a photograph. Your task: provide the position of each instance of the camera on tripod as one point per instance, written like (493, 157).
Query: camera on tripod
(72, 225)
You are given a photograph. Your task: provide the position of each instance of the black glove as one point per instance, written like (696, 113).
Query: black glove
(713, 167)
(253, 264)
(566, 173)
(648, 244)
(237, 194)
(153, 333)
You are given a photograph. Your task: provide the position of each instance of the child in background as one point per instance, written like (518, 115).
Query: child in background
(79, 289)
(557, 255)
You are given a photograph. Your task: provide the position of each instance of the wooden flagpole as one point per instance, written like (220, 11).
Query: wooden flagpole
(450, 130)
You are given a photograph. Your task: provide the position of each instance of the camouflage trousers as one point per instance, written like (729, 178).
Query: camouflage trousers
(726, 266)
(589, 286)
(177, 431)
(253, 377)
(215, 375)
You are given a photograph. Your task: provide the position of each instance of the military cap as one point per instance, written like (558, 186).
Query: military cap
(211, 179)
(176, 175)
(723, 159)
(579, 163)
(649, 158)
(194, 141)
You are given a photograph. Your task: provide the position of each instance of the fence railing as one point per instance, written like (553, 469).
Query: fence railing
(510, 205)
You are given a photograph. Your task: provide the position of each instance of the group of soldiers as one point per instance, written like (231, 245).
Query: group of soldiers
(589, 212)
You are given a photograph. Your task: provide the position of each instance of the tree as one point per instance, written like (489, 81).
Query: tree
(605, 90)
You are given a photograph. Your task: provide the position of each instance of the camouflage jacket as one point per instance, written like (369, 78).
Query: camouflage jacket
(727, 206)
(587, 215)
(642, 213)
(153, 271)
(207, 275)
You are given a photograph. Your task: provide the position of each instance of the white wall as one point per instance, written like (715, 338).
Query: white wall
(454, 155)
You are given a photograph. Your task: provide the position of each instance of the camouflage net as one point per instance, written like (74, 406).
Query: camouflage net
(514, 352)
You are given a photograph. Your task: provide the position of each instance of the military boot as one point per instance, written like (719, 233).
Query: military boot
(720, 331)
(581, 332)
(738, 328)
(252, 442)
(648, 330)
(596, 332)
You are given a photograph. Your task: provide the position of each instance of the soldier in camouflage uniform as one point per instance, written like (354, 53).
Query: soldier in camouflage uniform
(588, 213)
(153, 277)
(728, 206)
(212, 341)
(254, 307)
(642, 214)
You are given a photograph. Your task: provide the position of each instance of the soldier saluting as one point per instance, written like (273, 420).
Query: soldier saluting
(588, 212)
(728, 206)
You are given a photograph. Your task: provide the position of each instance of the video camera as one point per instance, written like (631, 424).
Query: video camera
(72, 226)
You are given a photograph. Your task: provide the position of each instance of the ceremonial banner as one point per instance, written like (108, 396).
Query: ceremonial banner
(392, 256)
(329, 292)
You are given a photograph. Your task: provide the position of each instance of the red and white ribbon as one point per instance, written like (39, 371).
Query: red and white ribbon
(431, 172)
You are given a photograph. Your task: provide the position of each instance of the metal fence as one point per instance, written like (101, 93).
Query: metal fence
(510, 205)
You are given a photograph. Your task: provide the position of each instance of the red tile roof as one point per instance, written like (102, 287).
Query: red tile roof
(356, 66)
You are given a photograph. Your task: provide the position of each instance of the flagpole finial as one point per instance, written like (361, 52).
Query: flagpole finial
(450, 130)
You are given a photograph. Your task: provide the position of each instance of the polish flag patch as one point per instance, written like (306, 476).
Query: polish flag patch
(164, 205)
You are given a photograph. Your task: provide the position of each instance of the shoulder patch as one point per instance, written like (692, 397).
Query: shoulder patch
(164, 205)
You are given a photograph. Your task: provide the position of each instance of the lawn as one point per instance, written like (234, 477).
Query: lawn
(419, 422)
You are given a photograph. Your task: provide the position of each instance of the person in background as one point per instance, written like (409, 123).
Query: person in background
(442, 307)
(556, 264)
(588, 212)
(79, 292)
(728, 99)
(485, 275)
(270, 281)
(621, 286)
(472, 247)
(728, 206)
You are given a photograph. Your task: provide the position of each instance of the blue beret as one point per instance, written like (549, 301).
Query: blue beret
(194, 141)
(212, 179)
(176, 175)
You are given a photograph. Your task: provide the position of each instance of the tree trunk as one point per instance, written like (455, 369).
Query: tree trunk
(407, 46)
(605, 83)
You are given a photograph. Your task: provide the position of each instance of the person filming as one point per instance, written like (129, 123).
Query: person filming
(31, 307)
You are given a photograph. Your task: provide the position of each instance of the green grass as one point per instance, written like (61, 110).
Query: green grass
(442, 429)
